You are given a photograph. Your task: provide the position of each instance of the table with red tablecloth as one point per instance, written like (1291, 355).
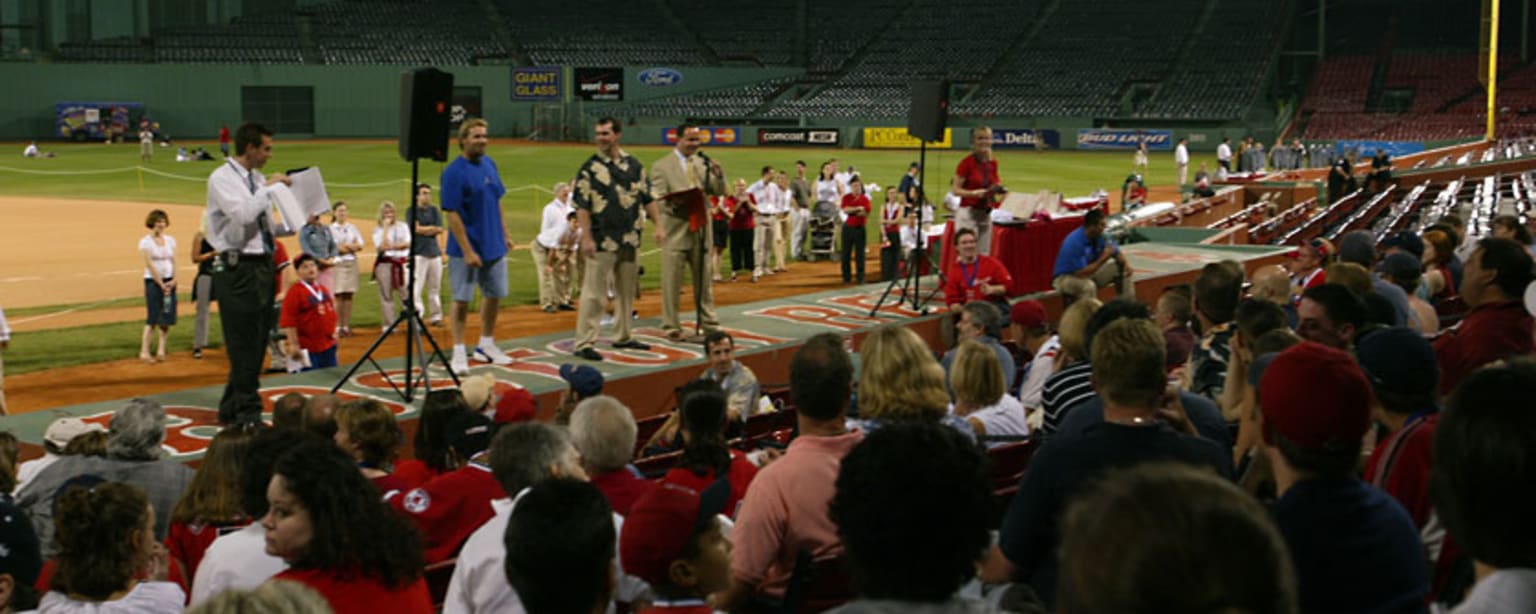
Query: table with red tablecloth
(1027, 249)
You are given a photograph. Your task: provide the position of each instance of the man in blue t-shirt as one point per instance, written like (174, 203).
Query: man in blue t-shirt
(1089, 260)
(478, 243)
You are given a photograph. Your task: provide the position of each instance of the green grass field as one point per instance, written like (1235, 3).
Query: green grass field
(528, 172)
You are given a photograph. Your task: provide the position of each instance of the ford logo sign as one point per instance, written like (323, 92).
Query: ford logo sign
(660, 77)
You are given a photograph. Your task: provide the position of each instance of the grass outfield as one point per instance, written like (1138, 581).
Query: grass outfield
(367, 172)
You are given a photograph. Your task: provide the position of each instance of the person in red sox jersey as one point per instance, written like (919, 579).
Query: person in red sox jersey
(308, 316)
(975, 276)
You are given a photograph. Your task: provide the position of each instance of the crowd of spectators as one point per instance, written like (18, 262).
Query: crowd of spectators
(1274, 446)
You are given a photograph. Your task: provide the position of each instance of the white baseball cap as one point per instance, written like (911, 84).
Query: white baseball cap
(64, 430)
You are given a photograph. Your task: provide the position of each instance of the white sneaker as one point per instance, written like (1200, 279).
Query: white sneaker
(459, 364)
(606, 322)
(492, 354)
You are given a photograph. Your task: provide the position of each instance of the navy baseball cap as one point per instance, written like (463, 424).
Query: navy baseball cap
(1398, 360)
(1406, 241)
(584, 380)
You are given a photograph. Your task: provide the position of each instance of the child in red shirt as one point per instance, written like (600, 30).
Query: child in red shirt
(308, 316)
(668, 523)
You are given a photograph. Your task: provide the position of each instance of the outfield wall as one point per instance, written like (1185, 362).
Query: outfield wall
(192, 101)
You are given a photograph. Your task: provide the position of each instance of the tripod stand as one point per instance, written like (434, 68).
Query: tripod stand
(910, 283)
(415, 328)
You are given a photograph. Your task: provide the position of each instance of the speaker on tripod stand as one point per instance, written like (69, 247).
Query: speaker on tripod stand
(426, 103)
(926, 121)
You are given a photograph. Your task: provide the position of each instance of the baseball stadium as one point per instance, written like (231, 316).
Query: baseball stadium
(523, 166)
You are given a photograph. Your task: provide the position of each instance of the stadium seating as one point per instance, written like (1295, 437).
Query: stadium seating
(632, 34)
(1211, 81)
(445, 33)
(1079, 63)
(754, 31)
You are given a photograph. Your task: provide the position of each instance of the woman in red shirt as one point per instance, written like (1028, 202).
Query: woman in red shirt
(339, 539)
(856, 207)
(743, 210)
(210, 507)
(890, 237)
(719, 228)
(706, 457)
(367, 430)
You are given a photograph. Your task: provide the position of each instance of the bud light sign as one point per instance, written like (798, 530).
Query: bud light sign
(659, 77)
(1103, 138)
(1003, 138)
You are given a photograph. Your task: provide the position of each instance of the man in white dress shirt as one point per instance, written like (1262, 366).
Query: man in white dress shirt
(766, 233)
(1181, 160)
(1224, 157)
(554, 288)
(520, 456)
(240, 230)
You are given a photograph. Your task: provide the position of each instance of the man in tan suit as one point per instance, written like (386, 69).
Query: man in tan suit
(679, 170)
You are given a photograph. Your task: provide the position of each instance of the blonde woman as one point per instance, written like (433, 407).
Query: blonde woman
(981, 398)
(349, 241)
(1072, 382)
(393, 240)
(899, 379)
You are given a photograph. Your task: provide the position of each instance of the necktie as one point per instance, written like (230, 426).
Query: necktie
(262, 222)
(693, 174)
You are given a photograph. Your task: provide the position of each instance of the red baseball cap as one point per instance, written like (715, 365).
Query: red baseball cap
(1029, 314)
(516, 404)
(662, 522)
(1315, 396)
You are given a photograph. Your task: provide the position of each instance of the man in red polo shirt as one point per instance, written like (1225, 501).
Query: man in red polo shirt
(1493, 281)
(975, 276)
(977, 185)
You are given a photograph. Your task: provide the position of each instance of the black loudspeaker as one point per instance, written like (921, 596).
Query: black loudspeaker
(426, 103)
(930, 110)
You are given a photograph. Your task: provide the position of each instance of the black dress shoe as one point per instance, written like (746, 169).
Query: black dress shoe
(565, 307)
(631, 345)
(589, 354)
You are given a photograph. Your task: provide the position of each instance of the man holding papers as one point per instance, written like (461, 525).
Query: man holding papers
(680, 182)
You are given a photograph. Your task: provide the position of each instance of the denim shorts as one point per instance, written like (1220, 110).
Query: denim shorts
(490, 277)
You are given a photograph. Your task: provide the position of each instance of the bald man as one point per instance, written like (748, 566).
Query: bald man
(1273, 283)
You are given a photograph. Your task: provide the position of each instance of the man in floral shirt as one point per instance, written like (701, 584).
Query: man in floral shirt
(611, 187)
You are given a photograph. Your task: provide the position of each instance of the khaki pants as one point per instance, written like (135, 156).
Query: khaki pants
(428, 271)
(622, 267)
(781, 245)
(1076, 287)
(554, 287)
(766, 240)
(674, 262)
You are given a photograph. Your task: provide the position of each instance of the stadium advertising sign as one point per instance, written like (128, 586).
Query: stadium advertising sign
(897, 138)
(813, 137)
(1104, 138)
(537, 83)
(1368, 148)
(601, 84)
(713, 135)
(1005, 138)
(659, 77)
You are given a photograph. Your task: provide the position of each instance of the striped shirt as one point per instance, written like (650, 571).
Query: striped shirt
(1066, 389)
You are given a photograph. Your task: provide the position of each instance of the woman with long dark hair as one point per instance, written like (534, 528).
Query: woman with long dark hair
(338, 538)
(211, 503)
(433, 455)
(706, 457)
